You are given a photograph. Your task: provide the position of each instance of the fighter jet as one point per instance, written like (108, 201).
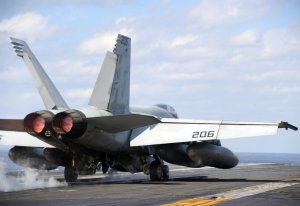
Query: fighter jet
(111, 134)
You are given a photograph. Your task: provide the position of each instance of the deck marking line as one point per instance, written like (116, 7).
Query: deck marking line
(253, 190)
(230, 195)
(293, 179)
(198, 201)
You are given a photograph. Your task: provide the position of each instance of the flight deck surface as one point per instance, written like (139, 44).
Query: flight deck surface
(247, 184)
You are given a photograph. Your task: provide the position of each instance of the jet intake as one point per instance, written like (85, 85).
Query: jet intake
(206, 154)
(70, 123)
(39, 123)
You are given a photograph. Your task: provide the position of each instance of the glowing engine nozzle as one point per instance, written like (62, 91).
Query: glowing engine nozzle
(70, 123)
(67, 124)
(39, 123)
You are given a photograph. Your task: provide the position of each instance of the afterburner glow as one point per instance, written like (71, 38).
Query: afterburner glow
(38, 124)
(67, 124)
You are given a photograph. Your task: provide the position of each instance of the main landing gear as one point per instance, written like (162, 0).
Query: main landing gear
(71, 174)
(159, 171)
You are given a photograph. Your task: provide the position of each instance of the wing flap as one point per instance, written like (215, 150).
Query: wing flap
(178, 130)
(237, 130)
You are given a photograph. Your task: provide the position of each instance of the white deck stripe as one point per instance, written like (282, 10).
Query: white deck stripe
(253, 190)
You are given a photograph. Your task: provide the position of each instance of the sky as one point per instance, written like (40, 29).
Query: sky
(216, 60)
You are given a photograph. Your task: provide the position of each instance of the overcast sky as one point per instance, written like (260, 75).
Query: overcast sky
(230, 60)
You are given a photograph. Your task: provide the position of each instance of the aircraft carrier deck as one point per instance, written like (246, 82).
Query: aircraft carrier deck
(247, 184)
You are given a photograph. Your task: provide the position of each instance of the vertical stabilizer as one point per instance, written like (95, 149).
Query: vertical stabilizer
(50, 95)
(111, 91)
(102, 89)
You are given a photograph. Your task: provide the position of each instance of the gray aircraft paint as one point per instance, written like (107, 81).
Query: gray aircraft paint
(50, 95)
(119, 100)
(102, 90)
(111, 91)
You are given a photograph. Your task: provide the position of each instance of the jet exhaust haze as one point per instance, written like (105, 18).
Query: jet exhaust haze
(26, 179)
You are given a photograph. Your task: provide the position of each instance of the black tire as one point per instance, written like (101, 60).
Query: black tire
(71, 174)
(165, 172)
(155, 171)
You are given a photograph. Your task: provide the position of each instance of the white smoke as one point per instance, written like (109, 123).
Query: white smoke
(28, 179)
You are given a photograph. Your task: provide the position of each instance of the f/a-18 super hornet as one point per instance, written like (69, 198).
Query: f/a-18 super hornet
(110, 133)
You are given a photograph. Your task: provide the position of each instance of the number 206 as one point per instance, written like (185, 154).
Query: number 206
(203, 134)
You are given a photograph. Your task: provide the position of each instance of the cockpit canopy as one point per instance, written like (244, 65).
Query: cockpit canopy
(170, 109)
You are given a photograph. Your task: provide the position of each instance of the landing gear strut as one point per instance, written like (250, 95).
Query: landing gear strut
(158, 171)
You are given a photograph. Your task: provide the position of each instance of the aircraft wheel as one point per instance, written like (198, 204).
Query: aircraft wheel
(165, 172)
(71, 174)
(155, 171)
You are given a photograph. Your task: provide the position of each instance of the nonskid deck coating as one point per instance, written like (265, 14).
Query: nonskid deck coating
(185, 184)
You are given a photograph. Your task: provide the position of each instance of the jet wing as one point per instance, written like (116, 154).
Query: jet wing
(20, 139)
(178, 130)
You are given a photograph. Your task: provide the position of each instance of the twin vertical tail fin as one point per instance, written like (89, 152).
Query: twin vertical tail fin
(111, 91)
(50, 95)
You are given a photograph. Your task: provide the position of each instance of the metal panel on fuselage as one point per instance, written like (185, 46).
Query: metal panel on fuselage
(118, 143)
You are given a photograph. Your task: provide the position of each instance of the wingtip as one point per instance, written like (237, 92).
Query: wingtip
(286, 125)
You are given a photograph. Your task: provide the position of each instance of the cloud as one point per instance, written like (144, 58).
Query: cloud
(213, 13)
(79, 93)
(10, 74)
(183, 40)
(98, 44)
(124, 20)
(272, 75)
(281, 42)
(82, 67)
(28, 26)
(103, 41)
(248, 37)
(281, 89)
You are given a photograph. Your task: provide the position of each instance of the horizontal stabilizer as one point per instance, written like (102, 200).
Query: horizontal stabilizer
(179, 130)
(12, 125)
(120, 123)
